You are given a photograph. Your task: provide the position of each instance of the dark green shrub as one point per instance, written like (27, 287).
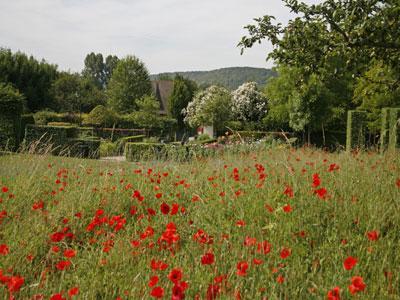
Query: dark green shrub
(25, 120)
(85, 132)
(83, 148)
(356, 129)
(384, 137)
(72, 118)
(41, 136)
(203, 141)
(120, 144)
(234, 125)
(102, 117)
(59, 124)
(108, 148)
(11, 104)
(144, 151)
(45, 116)
(394, 129)
(61, 140)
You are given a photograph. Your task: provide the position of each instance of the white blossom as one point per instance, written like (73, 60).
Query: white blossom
(204, 108)
(248, 104)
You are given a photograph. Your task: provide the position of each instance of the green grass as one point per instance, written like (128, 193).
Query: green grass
(362, 196)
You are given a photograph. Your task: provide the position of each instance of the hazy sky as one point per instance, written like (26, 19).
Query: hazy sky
(168, 35)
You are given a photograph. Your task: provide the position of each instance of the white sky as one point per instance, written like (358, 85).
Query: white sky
(168, 35)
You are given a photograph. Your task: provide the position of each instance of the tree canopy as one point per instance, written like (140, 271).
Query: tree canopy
(99, 70)
(331, 57)
(31, 77)
(182, 94)
(129, 82)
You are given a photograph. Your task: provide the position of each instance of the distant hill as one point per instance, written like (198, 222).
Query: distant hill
(230, 78)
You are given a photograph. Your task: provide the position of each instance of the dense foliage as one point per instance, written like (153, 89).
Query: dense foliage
(11, 105)
(129, 82)
(332, 57)
(182, 94)
(31, 77)
(74, 93)
(99, 70)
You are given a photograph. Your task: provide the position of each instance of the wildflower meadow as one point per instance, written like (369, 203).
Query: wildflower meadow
(270, 224)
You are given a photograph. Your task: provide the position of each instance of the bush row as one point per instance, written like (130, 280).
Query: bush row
(159, 151)
(60, 140)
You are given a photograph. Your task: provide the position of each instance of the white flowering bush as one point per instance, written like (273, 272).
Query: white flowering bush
(209, 107)
(248, 104)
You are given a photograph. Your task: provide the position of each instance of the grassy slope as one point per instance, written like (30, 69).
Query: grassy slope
(362, 196)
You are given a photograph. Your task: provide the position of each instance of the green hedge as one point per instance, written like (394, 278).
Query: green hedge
(144, 151)
(356, 129)
(384, 136)
(59, 124)
(108, 148)
(394, 129)
(83, 148)
(11, 104)
(42, 136)
(120, 144)
(174, 152)
(24, 121)
(61, 140)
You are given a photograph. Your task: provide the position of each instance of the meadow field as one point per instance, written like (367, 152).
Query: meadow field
(270, 224)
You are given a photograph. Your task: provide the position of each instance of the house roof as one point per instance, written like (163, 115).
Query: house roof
(162, 89)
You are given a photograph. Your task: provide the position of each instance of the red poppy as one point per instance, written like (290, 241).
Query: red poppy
(175, 275)
(207, 259)
(174, 209)
(287, 208)
(373, 235)
(4, 250)
(15, 283)
(242, 267)
(264, 247)
(321, 193)
(158, 265)
(285, 252)
(63, 265)
(73, 292)
(240, 223)
(316, 180)
(157, 292)
(153, 281)
(69, 253)
(164, 207)
(280, 279)
(398, 182)
(38, 205)
(4, 189)
(249, 241)
(57, 297)
(333, 167)
(357, 285)
(213, 291)
(349, 263)
(334, 294)
(178, 291)
(288, 192)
